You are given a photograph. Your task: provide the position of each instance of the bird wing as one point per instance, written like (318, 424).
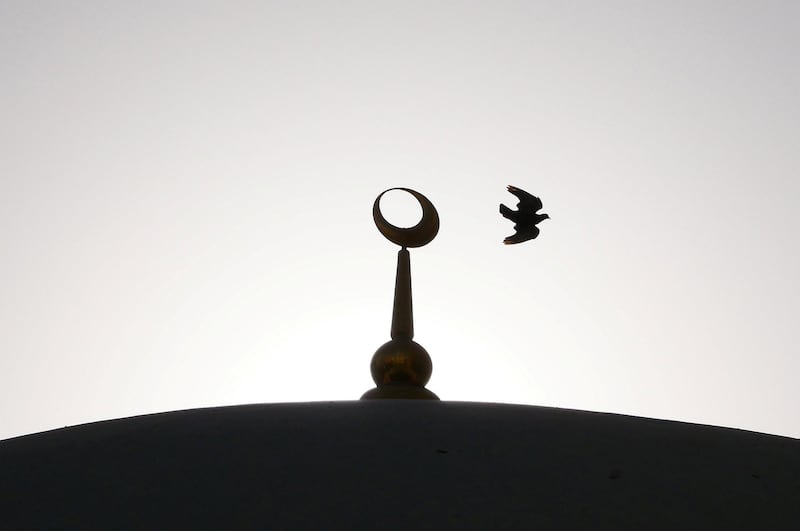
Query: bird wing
(523, 234)
(526, 201)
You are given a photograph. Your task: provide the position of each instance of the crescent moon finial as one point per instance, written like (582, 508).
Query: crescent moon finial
(420, 234)
(401, 367)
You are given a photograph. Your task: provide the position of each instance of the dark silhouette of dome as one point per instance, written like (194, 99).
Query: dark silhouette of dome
(398, 464)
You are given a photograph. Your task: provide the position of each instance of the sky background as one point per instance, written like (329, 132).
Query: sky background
(186, 193)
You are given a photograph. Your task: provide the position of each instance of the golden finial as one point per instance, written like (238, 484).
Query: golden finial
(401, 367)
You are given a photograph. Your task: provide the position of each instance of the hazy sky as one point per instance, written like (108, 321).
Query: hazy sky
(186, 193)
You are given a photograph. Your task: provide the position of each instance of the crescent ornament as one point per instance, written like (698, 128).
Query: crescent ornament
(420, 234)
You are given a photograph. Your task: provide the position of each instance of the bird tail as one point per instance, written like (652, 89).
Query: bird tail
(507, 212)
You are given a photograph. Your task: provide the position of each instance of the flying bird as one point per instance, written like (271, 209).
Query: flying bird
(525, 218)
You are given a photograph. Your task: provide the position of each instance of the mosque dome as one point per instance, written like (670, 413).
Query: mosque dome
(398, 464)
(400, 458)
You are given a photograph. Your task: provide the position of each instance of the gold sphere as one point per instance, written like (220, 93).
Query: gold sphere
(401, 361)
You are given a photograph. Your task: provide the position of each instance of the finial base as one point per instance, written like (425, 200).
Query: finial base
(399, 391)
(400, 368)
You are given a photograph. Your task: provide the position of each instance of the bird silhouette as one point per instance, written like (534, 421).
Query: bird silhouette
(525, 218)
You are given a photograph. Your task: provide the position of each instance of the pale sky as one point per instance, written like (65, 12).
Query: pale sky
(186, 193)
